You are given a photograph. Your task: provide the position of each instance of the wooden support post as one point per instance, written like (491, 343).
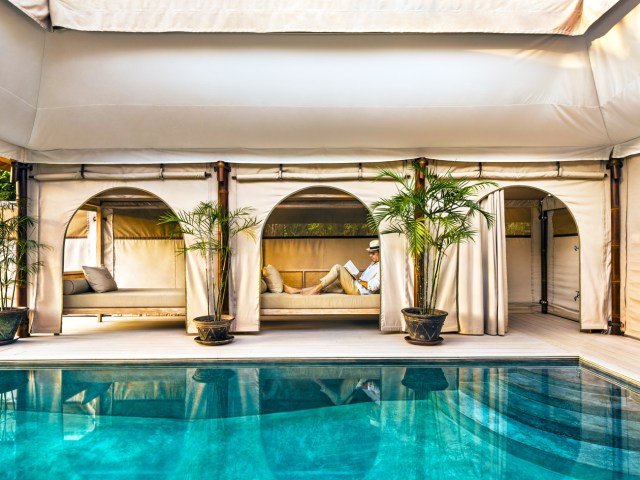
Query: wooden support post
(222, 171)
(615, 167)
(418, 274)
(544, 244)
(20, 176)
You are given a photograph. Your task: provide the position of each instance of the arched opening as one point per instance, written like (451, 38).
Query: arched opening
(119, 230)
(543, 254)
(303, 237)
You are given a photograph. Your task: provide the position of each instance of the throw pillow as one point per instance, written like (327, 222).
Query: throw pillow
(273, 279)
(76, 285)
(263, 285)
(100, 279)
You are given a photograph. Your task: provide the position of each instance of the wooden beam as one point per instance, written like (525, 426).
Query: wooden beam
(418, 274)
(222, 171)
(20, 174)
(615, 167)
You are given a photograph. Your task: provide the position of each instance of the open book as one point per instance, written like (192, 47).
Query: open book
(351, 268)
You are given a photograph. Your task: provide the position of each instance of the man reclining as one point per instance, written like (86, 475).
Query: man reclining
(364, 283)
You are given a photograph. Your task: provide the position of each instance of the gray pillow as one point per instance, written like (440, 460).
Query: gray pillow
(263, 285)
(273, 279)
(76, 285)
(100, 279)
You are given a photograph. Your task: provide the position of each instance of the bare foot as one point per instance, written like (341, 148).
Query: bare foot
(312, 291)
(290, 290)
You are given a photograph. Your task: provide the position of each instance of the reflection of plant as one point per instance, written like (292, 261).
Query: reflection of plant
(432, 218)
(211, 229)
(15, 250)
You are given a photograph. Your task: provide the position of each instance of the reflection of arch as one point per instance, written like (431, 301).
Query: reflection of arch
(324, 424)
(543, 253)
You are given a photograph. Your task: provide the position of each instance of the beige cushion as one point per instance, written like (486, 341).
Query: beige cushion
(273, 279)
(326, 301)
(100, 279)
(75, 286)
(129, 298)
(263, 285)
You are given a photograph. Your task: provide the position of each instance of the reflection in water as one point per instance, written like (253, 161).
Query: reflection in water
(304, 422)
(326, 423)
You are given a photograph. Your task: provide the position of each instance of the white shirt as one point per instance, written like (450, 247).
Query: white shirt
(372, 276)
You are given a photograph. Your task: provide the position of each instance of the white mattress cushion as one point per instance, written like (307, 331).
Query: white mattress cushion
(129, 298)
(325, 300)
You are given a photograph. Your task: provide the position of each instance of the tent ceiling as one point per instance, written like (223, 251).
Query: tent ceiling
(567, 17)
(447, 96)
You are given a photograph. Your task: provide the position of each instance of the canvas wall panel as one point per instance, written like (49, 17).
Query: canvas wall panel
(315, 253)
(630, 272)
(564, 285)
(78, 252)
(396, 265)
(148, 263)
(54, 203)
(520, 273)
(588, 201)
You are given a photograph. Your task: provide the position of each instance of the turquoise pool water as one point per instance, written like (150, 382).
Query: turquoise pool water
(333, 421)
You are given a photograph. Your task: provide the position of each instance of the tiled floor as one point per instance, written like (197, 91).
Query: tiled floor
(152, 339)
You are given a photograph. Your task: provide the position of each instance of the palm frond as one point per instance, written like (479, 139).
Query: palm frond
(431, 218)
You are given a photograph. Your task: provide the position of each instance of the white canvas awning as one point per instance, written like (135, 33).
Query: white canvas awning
(567, 17)
(470, 96)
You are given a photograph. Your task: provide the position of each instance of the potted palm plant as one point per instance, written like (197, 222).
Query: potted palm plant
(433, 216)
(15, 269)
(208, 230)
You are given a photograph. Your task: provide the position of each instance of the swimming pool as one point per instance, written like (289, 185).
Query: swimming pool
(308, 421)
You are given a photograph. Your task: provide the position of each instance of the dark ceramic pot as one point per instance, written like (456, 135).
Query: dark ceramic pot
(10, 320)
(210, 330)
(424, 329)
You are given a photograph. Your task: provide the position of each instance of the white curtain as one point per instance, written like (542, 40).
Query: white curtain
(482, 275)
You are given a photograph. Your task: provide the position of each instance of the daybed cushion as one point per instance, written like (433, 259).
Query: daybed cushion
(100, 279)
(325, 300)
(273, 278)
(75, 286)
(129, 298)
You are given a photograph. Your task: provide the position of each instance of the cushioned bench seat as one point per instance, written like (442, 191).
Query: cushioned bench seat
(326, 303)
(127, 300)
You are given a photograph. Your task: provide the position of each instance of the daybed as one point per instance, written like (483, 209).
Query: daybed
(125, 301)
(324, 304)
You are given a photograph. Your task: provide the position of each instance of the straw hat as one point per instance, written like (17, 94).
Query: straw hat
(374, 246)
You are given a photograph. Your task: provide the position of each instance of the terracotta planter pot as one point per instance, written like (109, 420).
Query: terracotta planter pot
(211, 331)
(424, 329)
(10, 320)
